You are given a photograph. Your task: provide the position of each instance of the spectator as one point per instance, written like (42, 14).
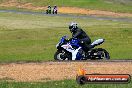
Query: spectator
(48, 11)
(55, 10)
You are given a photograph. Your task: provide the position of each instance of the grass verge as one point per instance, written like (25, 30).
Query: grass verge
(108, 5)
(61, 84)
(33, 37)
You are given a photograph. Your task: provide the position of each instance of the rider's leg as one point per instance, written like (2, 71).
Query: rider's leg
(86, 44)
(49, 11)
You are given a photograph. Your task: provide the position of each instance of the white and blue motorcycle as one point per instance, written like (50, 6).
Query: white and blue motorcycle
(71, 50)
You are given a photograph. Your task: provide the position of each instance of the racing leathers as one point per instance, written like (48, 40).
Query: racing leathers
(85, 40)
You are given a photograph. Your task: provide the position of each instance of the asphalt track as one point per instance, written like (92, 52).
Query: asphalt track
(121, 19)
(68, 61)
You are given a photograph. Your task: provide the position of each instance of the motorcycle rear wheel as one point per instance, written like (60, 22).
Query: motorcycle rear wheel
(99, 53)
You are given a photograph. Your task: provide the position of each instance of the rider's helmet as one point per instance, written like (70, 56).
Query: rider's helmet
(49, 6)
(55, 6)
(73, 26)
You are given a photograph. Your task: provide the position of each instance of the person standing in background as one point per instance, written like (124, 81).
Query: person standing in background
(55, 10)
(48, 11)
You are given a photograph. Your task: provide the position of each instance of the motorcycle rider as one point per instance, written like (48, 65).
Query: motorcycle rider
(78, 33)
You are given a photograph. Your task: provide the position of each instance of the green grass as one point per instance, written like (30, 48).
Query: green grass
(109, 5)
(33, 37)
(61, 84)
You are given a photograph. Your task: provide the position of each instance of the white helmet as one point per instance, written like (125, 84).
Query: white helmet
(73, 26)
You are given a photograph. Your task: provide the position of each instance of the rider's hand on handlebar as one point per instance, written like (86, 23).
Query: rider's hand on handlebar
(71, 39)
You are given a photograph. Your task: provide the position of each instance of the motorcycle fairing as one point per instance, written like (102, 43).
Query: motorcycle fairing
(61, 41)
(75, 53)
(97, 42)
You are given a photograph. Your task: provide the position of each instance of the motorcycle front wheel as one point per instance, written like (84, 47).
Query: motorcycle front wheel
(62, 55)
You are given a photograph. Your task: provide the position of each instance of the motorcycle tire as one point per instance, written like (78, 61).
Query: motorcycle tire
(62, 55)
(102, 53)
